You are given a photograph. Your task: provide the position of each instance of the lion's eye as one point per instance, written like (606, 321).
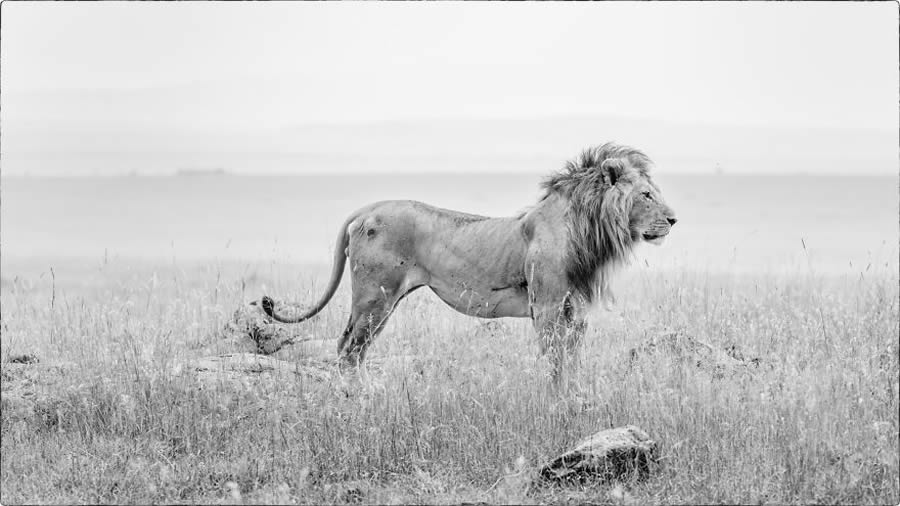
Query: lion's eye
(648, 195)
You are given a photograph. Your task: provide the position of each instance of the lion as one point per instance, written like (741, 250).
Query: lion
(549, 263)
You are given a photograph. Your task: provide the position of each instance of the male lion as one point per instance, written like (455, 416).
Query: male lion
(546, 264)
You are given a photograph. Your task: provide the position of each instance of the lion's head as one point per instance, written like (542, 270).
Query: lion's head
(628, 180)
(613, 204)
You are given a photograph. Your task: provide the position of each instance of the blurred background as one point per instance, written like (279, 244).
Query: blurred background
(247, 132)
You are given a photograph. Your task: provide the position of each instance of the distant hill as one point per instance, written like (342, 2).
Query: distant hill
(97, 135)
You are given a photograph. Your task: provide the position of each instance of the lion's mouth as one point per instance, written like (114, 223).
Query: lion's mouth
(654, 238)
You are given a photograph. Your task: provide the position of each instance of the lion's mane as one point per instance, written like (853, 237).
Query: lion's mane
(597, 218)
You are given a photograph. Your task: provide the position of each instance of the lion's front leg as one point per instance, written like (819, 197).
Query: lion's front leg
(560, 330)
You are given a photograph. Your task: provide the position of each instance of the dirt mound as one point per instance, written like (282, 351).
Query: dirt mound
(688, 350)
(32, 390)
(249, 370)
(250, 324)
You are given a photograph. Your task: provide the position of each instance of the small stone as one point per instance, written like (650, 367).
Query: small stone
(23, 359)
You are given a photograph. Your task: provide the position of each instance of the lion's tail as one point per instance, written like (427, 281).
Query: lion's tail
(337, 271)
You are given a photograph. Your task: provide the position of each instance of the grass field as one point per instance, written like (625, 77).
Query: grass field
(467, 418)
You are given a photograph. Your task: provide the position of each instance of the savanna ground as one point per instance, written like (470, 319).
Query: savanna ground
(467, 418)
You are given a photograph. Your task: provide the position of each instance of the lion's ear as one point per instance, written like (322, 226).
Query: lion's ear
(612, 169)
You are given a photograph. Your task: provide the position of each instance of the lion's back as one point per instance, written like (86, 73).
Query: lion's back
(400, 212)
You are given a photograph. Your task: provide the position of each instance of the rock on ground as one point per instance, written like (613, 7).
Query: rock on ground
(689, 350)
(619, 454)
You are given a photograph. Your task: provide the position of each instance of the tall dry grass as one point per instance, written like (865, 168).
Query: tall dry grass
(465, 416)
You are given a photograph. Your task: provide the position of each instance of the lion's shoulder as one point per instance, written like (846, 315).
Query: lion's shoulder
(546, 220)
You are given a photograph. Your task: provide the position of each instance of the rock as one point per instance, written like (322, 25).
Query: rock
(688, 350)
(613, 454)
(251, 323)
(250, 370)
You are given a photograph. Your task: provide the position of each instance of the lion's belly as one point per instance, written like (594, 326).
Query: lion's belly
(473, 263)
(480, 275)
(482, 301)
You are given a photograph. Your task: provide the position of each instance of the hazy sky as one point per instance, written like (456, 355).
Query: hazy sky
(235, 67)
(796, 63)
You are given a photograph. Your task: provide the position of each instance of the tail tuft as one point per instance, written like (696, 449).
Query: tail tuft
(268, 305)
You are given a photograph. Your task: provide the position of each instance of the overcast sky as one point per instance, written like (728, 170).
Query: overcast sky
(247, 65)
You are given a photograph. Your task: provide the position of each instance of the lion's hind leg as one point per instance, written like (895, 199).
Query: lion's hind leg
(367, 320)
(373, 304)
(382, 273)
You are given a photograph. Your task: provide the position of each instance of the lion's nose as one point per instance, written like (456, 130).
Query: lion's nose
(672, 221)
